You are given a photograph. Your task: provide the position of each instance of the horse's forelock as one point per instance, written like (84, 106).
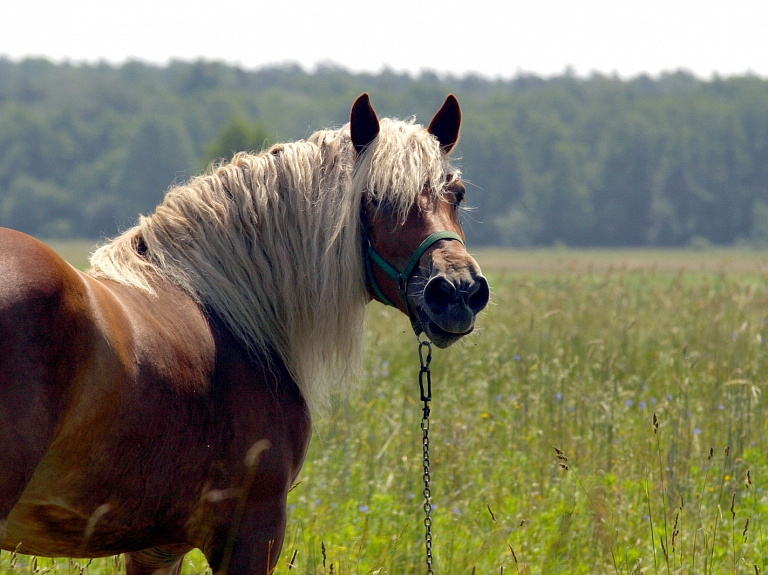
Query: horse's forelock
(404, 161)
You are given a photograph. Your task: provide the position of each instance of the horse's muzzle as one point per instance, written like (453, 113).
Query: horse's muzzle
(450, 306)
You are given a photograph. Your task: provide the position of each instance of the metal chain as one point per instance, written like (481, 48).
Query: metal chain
(426, 397)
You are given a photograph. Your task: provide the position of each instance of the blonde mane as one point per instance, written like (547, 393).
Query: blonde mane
(271, 244)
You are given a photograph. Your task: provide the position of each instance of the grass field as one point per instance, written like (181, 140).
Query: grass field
(645, 369)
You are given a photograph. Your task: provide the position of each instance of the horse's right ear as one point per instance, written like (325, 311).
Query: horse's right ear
(363, 123)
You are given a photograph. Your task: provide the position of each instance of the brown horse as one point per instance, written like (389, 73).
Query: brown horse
(161, 402)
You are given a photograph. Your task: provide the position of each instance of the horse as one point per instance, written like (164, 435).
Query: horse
(163, 400)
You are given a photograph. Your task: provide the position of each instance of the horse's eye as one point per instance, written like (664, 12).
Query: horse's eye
(381, 204)
(459, 191)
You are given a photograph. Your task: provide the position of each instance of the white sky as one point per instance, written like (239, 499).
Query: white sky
(492, 38)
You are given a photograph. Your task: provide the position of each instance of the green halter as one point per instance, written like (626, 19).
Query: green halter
(371, 257)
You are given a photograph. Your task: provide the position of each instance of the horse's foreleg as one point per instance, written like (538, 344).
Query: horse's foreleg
(252, 547)
(156, 561)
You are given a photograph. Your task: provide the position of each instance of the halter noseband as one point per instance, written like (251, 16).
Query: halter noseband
(371, 257)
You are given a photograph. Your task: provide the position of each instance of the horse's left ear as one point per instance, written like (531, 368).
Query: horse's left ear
(446, 124)
(363, 123)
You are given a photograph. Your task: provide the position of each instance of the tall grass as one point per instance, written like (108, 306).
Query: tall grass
(581, 362)
(651, 387)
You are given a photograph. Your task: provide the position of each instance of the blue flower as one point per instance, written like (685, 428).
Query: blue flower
(696, 431)
(364, 509)
(642, 405)
(630, 403)
(516, 358)
(559, 395)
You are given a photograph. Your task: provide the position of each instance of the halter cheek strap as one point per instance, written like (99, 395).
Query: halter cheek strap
(371, 257)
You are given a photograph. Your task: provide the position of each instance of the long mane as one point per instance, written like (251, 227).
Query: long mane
(271, 243)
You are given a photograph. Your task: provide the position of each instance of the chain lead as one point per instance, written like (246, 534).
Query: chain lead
(426, 397)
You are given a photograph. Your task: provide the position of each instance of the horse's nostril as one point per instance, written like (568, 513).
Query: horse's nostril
(439, 292)
(479, 294)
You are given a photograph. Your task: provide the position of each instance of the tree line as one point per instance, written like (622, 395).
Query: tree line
(596, 161)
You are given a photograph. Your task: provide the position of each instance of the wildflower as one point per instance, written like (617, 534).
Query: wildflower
(696, 431)
(364, 509)
(630, 403)
(559, 395)
(484, 415)
(642, 405)
(517, 358)
(721, 407)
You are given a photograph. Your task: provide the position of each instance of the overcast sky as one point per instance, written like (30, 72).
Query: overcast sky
(500, 38)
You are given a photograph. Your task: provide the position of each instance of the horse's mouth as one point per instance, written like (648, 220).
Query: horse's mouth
(442, 338)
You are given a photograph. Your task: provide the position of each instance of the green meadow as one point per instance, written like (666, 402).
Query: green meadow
(607, 416)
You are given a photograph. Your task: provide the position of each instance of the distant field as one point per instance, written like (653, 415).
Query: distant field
(726, 260)
(558, 260)
(76, 252)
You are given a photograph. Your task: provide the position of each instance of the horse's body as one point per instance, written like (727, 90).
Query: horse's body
(100, 447)
(138, 416)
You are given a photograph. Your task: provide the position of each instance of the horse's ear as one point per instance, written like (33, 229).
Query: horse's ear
(446, 124)
(363, 123)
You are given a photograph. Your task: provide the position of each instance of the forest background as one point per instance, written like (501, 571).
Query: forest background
(672, 160)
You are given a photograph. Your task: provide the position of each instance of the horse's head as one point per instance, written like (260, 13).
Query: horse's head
(413, 247)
